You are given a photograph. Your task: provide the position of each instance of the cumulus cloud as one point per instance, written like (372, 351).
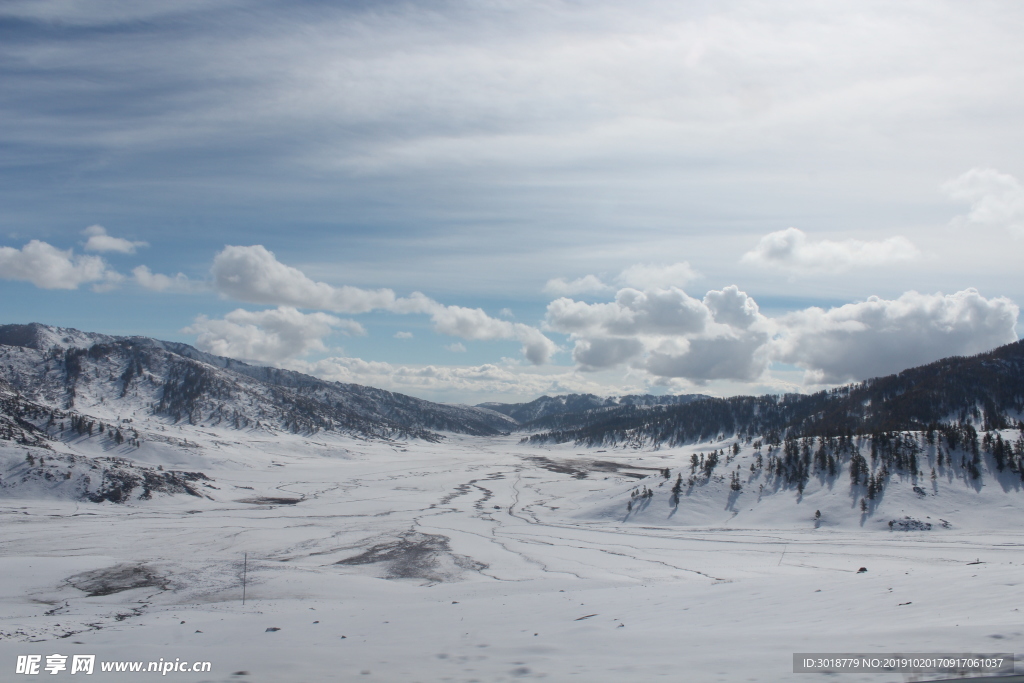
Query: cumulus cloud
(100, 241)
(725, 337)
(656, 311)
(742, 357)
(996, 199)
(456, 347)
(253, 274)
(792, 250)
(878, 336)
(270, 336)
(594, 354)
(474, 324)
(732, 307)
(403, 335)
(653, 276)
(667, 332)
(47, 267)
(158, 282)
(581, 285)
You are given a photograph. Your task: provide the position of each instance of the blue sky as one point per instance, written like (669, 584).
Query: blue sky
(491, 201)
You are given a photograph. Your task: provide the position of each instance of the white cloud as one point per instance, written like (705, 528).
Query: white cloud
(651, 276)
(996, 199)
(253, 274)
(506, 313)
(656, 311)
(403, 335)
(725, 337)
(792, 250)
(581, 285)
(878, 336)
(639, 276)
(271, 336)
(455, 347)
(666, 331)
(598, 353)
(47, 267)
(474, 324)
(445, 381)
(732, 307)
(165, 283)
(100, 241)
(669, 334)
(742, 357)
(855, 341)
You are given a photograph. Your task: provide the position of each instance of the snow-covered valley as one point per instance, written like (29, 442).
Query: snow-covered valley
(483, 559)
(163, 505)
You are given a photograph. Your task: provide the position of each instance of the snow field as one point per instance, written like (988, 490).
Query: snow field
(455, 554)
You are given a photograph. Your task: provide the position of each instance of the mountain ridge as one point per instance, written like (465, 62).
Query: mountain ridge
(58, 367)
(985, 391)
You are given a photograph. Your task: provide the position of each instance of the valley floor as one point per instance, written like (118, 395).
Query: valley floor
(484, 560)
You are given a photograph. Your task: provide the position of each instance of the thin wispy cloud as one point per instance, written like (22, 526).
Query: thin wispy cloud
(793, 250)
(100, 241)
(618, 177)
(996, 199)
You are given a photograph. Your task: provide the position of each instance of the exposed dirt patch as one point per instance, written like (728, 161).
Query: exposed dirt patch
(270, 501)
(416, 555)
(121, 577)
(581, 468)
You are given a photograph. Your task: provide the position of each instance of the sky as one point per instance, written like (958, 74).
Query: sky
(492, 201)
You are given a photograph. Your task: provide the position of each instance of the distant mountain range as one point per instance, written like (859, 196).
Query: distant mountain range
(47, 370)
(549, 412)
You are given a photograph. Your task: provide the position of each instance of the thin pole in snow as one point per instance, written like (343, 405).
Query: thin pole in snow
(245, 569)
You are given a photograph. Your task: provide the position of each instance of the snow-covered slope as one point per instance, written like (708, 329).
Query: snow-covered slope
(549, 411)
(480, 558)
(985, 391)
(113, 378)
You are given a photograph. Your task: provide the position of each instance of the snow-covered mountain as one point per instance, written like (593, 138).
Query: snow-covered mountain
(549, 412)
(977, 393)
(113, 378)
